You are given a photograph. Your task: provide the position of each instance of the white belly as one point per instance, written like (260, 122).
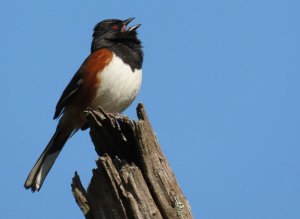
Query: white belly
(119, 86)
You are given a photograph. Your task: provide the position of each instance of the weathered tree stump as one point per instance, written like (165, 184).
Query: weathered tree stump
(133, 178)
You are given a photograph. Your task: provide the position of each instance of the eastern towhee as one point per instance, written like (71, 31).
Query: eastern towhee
(110, 77)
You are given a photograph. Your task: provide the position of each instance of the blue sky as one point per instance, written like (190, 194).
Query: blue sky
(221, 86)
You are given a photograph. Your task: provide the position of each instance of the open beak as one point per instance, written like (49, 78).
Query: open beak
(130, 29)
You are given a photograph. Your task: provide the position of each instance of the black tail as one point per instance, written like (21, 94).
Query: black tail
(43, 165)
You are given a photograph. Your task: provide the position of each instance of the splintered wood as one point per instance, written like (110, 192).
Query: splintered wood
(133, 179)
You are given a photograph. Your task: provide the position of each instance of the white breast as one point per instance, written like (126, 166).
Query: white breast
(119, 86)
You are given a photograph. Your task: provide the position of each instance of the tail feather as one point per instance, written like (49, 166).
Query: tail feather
(43, 165)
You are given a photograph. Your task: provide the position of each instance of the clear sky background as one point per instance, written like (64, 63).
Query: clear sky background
(221, 86)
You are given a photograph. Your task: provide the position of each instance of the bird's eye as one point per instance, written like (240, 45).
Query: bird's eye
(115, 27)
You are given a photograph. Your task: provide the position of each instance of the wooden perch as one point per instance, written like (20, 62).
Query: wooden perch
(133, 178)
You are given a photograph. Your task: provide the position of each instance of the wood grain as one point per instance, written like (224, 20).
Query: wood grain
(133, 178)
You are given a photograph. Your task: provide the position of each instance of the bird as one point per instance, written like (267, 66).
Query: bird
(110, 78)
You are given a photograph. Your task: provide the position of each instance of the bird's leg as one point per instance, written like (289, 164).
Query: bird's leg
(116, 117)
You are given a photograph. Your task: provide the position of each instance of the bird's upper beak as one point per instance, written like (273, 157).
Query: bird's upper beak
(130, 29)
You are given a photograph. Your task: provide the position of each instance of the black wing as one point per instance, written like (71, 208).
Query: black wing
(70, 90)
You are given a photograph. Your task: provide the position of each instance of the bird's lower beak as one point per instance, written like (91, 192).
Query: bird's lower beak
(133, 28)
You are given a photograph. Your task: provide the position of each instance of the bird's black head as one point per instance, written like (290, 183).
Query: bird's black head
(111, 32)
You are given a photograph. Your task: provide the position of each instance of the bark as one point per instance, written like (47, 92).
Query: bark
(133, 179)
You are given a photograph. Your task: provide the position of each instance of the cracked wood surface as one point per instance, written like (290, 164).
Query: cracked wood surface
(133, 179)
